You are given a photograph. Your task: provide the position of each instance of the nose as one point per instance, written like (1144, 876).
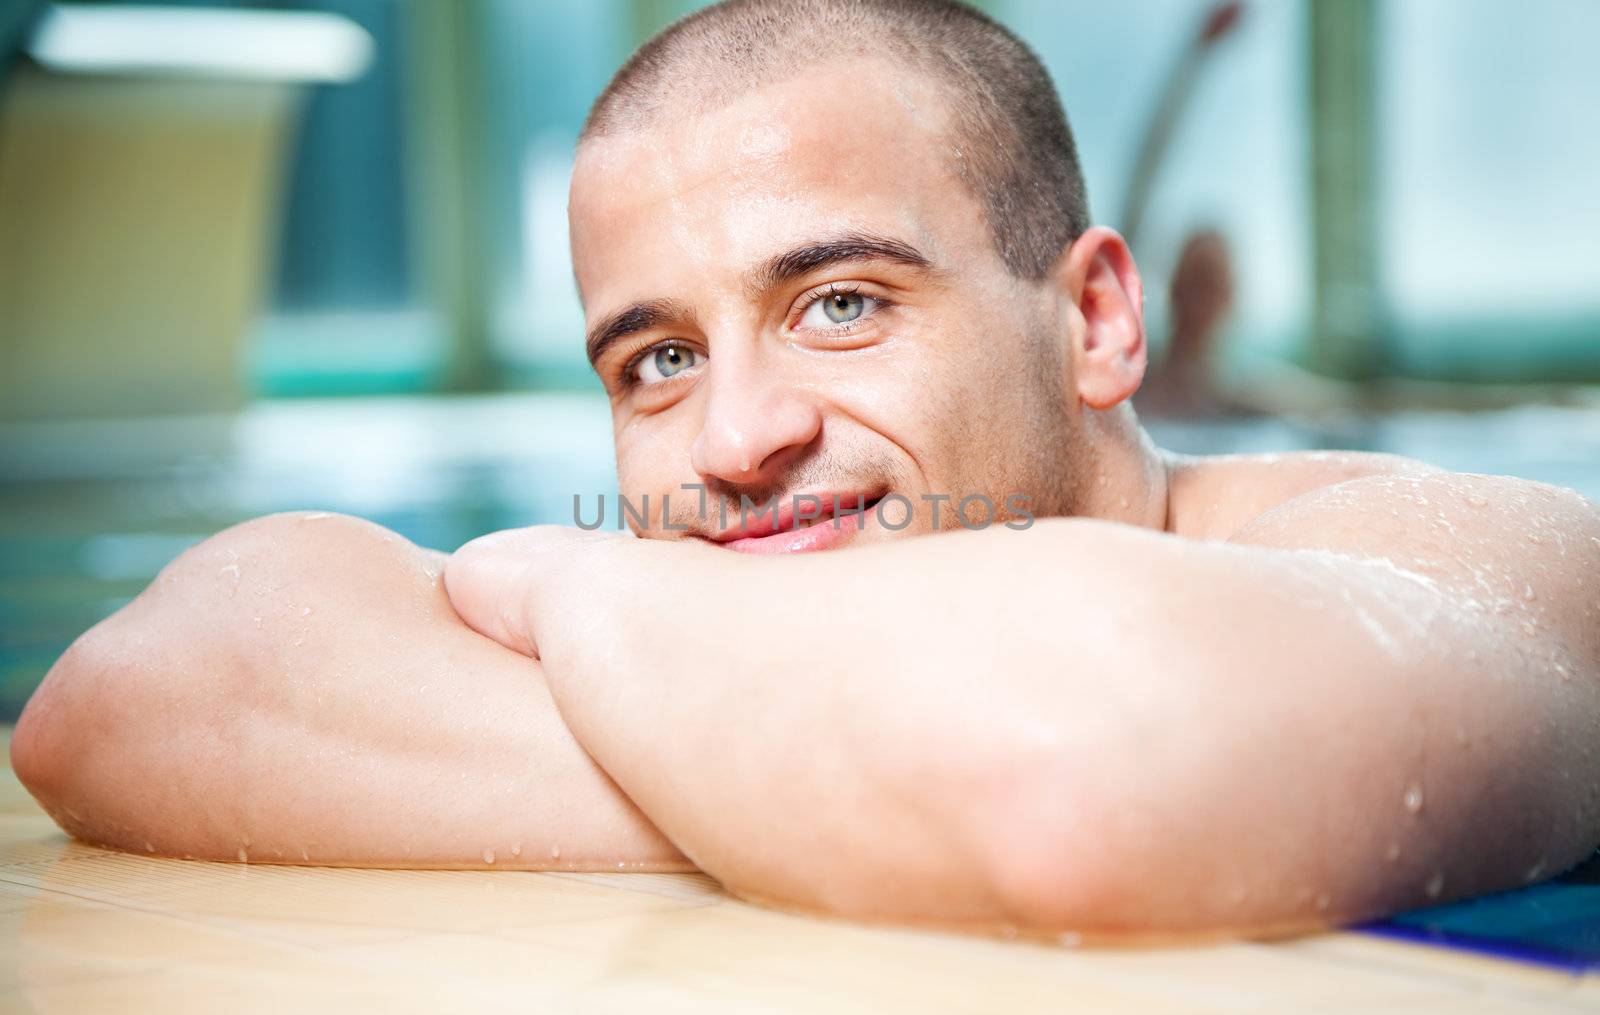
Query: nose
(754, 424)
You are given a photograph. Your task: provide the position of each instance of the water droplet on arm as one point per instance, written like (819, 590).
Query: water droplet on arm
(1435, 885)
(1413, 799)
(488, 856)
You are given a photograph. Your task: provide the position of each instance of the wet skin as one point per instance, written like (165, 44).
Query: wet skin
(1246, 693)
(949, 376)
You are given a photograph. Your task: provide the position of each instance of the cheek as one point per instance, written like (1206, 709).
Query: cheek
(907, 393)
(653, 454)
(963, 401)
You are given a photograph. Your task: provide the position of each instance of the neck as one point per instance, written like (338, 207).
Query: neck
(1126, 480)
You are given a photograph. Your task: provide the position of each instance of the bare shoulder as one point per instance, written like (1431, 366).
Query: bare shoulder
(1526, 551)
(1522, 556)
(1214, 497)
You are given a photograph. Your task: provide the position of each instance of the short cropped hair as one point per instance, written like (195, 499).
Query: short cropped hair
(1012, 146)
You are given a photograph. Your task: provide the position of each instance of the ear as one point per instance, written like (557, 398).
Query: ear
(1098, 274)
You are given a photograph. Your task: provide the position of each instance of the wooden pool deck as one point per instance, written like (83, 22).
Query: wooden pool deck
(85, 929)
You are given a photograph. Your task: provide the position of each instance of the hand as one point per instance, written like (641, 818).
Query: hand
(501, 582)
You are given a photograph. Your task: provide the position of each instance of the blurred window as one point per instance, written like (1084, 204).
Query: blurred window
(347, 312)
(1490, 223)
(1486, 234)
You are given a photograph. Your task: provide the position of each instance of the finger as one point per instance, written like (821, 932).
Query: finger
(490, 582)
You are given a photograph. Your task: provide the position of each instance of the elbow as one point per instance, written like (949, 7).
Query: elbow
(987, 837)
(1049, 853)
(89, 747)
(50, 743)
(108, 742)
(99, 722)
(1012, 830)
(36, 765)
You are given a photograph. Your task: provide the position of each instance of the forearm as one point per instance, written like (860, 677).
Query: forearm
(301, 691)
(1082, 726)
(845, 734)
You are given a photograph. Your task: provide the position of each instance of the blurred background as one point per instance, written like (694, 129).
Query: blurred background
(257, 256)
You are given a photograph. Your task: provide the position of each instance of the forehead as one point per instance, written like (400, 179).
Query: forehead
(706, 193)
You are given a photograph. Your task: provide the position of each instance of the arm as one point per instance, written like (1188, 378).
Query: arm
(298, 689)
(1091, 727)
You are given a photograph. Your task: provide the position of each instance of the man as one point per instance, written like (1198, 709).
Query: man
(835, 255)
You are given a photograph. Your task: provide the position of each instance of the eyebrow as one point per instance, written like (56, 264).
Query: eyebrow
(776, 271)
(791, 264)
(639, 317)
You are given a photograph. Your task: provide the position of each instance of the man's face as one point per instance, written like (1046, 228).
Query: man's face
(795, 296)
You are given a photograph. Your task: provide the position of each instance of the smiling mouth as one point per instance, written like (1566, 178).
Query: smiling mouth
(800, 524)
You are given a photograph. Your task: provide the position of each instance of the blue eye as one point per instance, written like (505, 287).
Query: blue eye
(842, 307)
(666, 361)
(835, 308)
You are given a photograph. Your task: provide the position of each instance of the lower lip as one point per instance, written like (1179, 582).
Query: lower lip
(824, 535)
